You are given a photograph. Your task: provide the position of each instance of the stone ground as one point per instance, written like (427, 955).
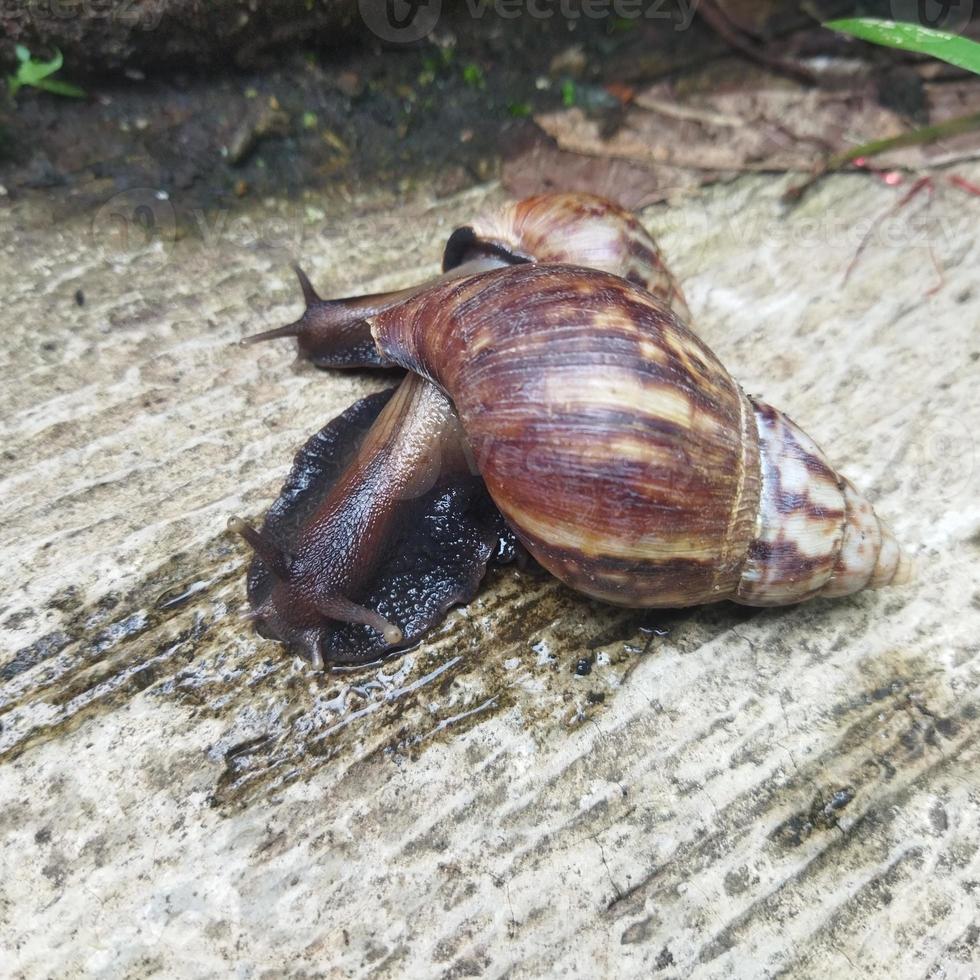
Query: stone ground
(726, 793)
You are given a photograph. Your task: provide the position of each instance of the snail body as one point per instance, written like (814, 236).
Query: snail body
(555, 398)
(381, 522)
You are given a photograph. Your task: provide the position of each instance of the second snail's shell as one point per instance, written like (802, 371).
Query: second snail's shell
(570, 228)
(624, 455)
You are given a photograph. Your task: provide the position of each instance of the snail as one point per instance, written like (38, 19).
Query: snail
(577, 229)
(551, 406)
(419, 532)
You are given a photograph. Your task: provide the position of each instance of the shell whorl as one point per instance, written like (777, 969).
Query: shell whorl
(617, 446)
(570, 229)
(815, 533)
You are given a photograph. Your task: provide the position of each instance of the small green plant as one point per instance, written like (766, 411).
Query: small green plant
(473, 76)
(568, 92)
(519, 110)
(37, 74)
(441, 59)
(955, 50)
(436, 65)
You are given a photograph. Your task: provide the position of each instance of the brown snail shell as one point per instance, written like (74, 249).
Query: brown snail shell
(569, 228)
(623, 454)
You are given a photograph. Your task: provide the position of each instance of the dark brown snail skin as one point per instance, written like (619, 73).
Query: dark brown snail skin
(616, 446)
(382, 505)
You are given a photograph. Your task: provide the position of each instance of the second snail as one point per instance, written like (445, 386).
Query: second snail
(556, 402)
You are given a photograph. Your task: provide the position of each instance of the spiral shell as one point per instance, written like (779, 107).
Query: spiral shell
(569, 229)
(623, 454)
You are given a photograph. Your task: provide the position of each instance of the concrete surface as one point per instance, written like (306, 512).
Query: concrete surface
(727, 793)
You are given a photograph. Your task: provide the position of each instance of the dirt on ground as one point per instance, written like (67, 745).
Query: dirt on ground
(310, 116)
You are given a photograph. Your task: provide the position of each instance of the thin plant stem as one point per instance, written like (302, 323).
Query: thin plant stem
(917, 137)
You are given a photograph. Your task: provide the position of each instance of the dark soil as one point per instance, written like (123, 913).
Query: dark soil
(444, 111)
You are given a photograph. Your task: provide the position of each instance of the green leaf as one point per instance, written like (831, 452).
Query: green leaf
(31, 72)
(473, 76)
(61, 88)
(519, 110)
(36, 73)
(568, 92)
(955, 50)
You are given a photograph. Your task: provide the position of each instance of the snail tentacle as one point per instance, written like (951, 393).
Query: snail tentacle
(275, 559)
(341, 609)
(334, 333)
(330, 333)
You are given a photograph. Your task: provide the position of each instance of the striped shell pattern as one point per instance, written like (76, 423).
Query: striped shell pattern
(571, 229)
(617, 446)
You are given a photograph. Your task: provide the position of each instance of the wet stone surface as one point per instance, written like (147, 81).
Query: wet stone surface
(549, 784)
